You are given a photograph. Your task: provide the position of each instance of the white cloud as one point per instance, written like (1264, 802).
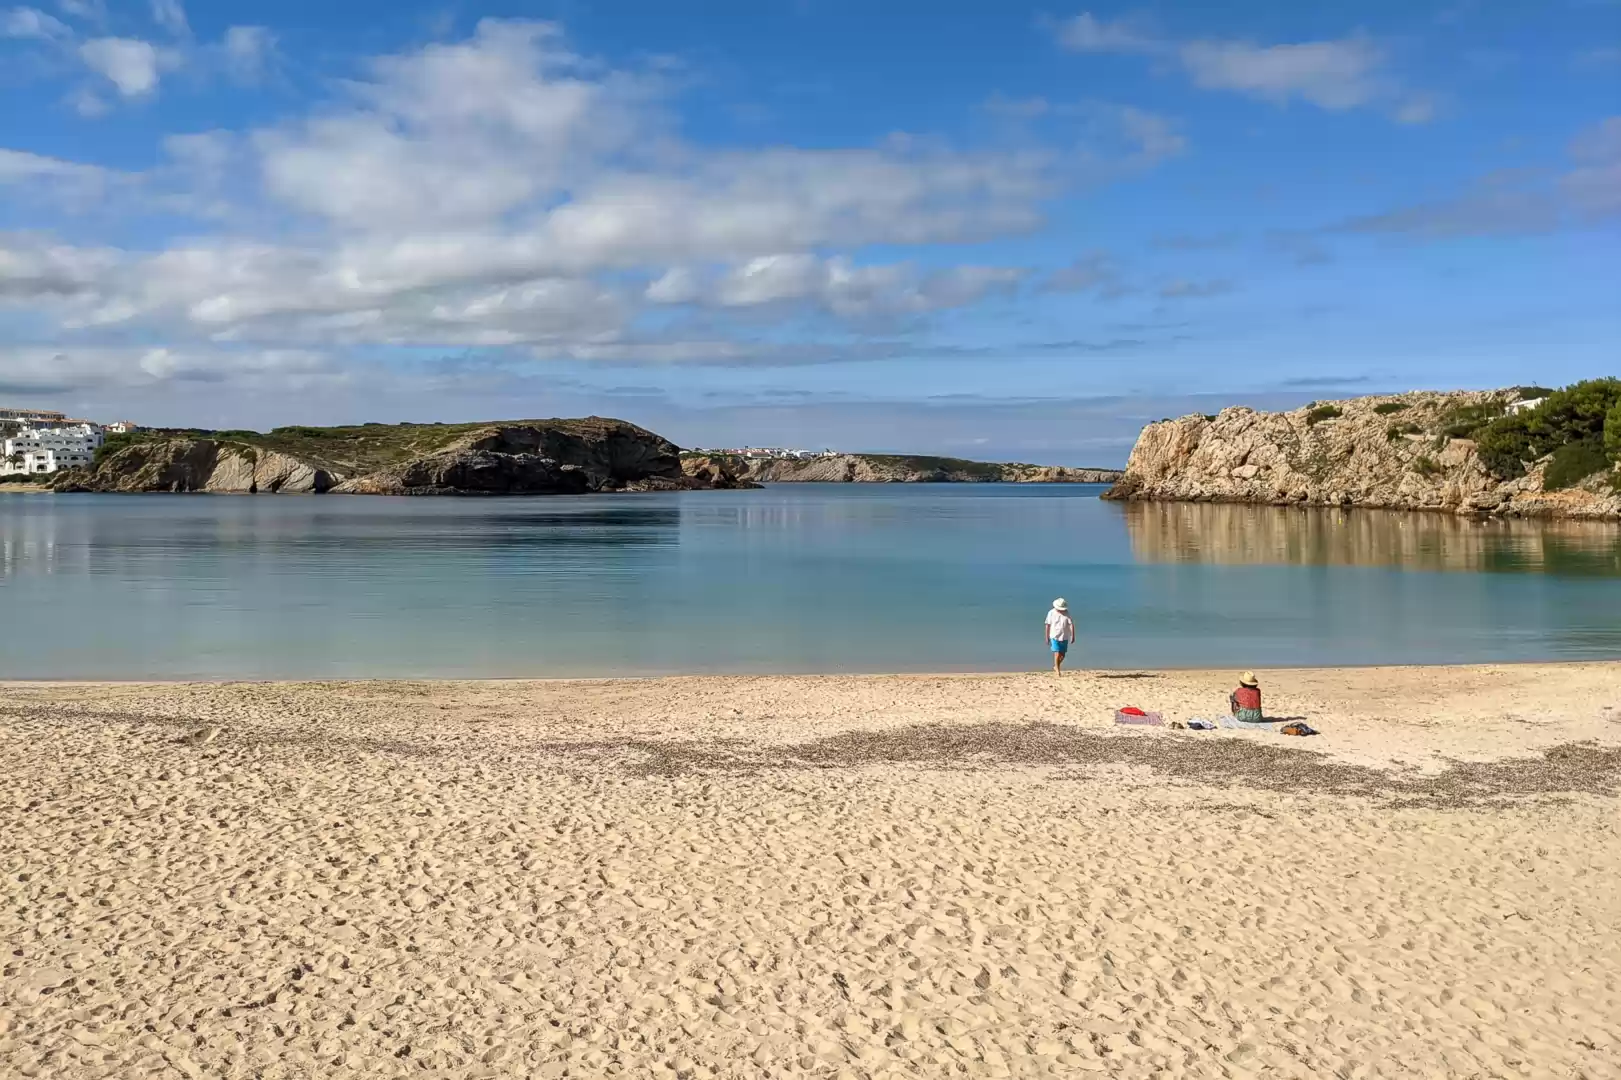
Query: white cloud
(1594, 185)
(19, 165)
(1155, 136)
(1330, 74)
(27, 22)
(1600, 143)
(1087, 33)
(1094, 271)
(453, 134)
(171, 16)
(1419, 109)
(86, 102)
(1335, 74)
(247, 51)
(89, 10)
(842, 288)
(134, 67)
(130, 65)
(502, 191)
(677, 285)
(36, 180)
(1517, 202)
(32, 267)
(63, 369)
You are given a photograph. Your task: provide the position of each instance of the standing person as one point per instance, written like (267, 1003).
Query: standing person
(1059, 630)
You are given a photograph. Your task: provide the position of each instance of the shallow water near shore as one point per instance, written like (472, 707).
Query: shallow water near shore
(793, 578)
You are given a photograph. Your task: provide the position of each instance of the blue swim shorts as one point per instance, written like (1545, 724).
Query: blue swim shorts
(1060, 647)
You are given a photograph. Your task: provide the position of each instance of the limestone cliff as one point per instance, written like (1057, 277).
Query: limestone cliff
(518, 457)
(196, 465)
(570, 458)
(1390, 452)
(718, 473)
(902, 469)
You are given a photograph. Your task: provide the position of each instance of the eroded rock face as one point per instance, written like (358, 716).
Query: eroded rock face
(1361, 457)
(196, 465)
(717, 473)
(536, 459)
(288, 475)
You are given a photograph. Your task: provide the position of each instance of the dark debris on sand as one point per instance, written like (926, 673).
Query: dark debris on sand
(1574, 768)
(1571, 768)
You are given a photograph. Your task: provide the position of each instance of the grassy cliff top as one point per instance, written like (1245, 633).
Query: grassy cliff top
(356, 448)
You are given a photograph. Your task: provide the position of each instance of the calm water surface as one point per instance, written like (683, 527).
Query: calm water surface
(793, 578)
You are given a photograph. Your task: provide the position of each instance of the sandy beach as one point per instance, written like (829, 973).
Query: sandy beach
(836, 876)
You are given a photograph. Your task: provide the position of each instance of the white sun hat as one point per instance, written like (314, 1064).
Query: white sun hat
(1061, 604)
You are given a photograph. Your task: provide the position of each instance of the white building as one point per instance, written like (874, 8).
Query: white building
(121, 427)
(45, 450)
(31, 416)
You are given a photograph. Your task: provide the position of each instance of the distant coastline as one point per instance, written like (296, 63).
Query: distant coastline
(892, 469)
(507, 457)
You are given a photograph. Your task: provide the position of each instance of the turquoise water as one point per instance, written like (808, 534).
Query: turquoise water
(792, 578)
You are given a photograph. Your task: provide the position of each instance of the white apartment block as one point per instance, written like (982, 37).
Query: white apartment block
(47, 449)
(32, 416)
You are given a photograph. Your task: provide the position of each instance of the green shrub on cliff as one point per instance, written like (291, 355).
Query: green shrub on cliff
(1385, 408)
(115, 442)
(1580, 413)
(1467, 421)
(1321, 413)
(1398, 432)
(1573, 463)
(1505, 447)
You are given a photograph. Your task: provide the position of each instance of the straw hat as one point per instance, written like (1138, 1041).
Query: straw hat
(1060, 604)
(1248, 679)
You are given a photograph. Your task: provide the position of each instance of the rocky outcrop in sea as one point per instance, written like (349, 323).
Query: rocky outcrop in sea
(1391, 452)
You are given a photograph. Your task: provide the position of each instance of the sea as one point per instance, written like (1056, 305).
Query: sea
(792, 578)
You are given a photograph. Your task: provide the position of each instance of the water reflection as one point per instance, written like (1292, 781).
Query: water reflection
(1271, 535)
(796, 578)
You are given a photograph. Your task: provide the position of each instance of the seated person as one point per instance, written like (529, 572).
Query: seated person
(1246, 700)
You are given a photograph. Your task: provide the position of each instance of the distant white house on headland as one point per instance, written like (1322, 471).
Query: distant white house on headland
(769, 453)
(45, 449)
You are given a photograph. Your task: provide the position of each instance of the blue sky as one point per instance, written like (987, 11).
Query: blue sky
(993, 230)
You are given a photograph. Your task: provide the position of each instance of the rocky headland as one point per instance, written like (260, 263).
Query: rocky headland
(1506, 452)
(893, 469)
(523, 457)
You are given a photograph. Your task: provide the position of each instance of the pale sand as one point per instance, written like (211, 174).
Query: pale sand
(920, 876)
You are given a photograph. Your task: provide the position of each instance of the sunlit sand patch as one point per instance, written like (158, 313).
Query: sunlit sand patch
(865, 877)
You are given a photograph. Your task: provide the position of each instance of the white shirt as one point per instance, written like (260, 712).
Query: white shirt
(1060, 627)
